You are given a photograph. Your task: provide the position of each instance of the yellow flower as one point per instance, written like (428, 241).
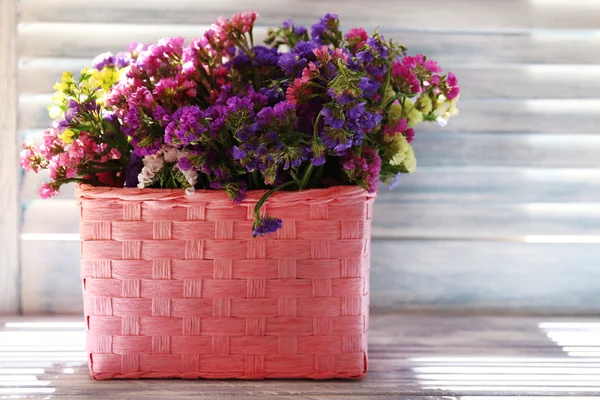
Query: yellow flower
(410, 162)
(65, 83)
(54, 111)
(424, 104)
(405, 155)
(67, 136)
(395, 111)
(452, 110)
(414, 117)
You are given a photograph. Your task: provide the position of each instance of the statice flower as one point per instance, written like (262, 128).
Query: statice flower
(298, 112)
(326, 30)
(104, 60)
(186, 127)
(266, 225)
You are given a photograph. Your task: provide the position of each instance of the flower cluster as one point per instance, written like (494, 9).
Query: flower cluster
(223, 113)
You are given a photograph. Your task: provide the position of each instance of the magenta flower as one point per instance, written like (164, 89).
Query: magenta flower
(47, 191)
(421, 61)
(405, 79)
(452, 84)
(357, 37)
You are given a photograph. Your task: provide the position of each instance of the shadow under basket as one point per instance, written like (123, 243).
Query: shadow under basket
(175, 286)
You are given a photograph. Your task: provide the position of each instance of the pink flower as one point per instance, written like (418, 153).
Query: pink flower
(391, 130)
(338, 54)
(357, 37)
(420, 61)
(322, 54)
(409, 134)
(453, 89)
(47, 191)
(299, 89)
(114, 154)
(70, 172)
(244, 21)
(142, 97)
(405, 79)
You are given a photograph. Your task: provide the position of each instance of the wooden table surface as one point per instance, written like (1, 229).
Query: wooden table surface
(412, 356)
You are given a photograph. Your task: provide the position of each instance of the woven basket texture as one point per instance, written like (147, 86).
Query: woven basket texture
(175, 286)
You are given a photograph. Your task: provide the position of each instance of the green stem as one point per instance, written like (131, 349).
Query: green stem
(307, 174)
(267, 195)
(386, 83)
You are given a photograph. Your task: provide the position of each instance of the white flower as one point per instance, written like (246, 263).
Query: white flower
(154, 163)
(191, 176)
(190, 191)
(442, 121)
(145, 177)
(171, 154)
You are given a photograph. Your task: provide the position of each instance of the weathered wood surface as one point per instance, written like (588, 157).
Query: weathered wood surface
(482, 16)
(447, 47)
(9, 202)
(411, 356)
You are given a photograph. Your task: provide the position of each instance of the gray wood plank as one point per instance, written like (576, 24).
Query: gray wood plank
(405, 275)
(461, 275)
(399, 220)
(50, 276)
(488, 16)
(563, 116)
(9, 208)
(37, 76)
(535, 150)
(447, 47)
(538, 47)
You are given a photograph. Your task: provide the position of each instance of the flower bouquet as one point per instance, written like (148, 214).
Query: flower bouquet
(185, 153)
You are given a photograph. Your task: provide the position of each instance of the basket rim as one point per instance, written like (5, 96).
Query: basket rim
(84, 192)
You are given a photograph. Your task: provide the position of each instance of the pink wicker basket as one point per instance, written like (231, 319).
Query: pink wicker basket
(175, 286)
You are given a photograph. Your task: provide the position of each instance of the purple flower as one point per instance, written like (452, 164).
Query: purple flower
(395, 182)
(368, 86)
(298, 30)
(332, 118)
(160, 115)
(123, 59)
(318, 160)
(72, 110)
(133, 170)
(289, 62)
(184, 164)
(186, 127)
(324, 28)
(104, 60)
(288, 24)
(265, 57)
(266, 225)
(238, 154)
(241, 60)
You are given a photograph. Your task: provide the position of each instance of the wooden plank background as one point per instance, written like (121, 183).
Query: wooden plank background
(519, 163)
(9, 201)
